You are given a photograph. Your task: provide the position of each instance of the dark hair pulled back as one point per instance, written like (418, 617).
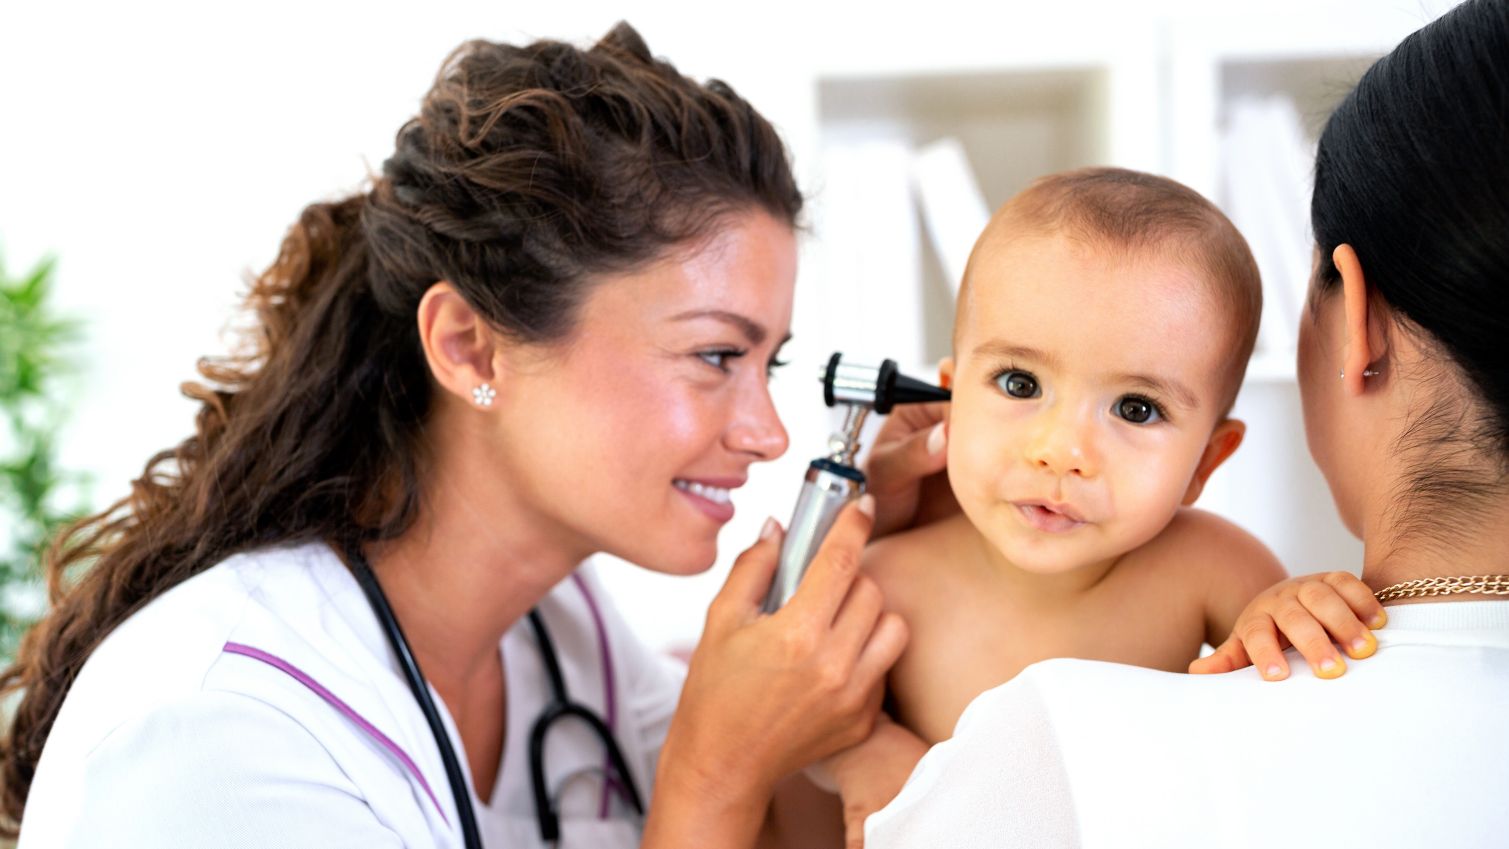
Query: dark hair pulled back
(1413, 171)
(528, 170)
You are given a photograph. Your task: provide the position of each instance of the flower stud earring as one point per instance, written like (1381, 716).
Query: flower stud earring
(484, 395)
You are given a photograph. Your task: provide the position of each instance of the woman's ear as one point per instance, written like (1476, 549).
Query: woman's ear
(1364, 341)
(459, 346)
(1224, 441)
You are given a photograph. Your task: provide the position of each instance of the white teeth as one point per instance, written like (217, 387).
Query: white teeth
(711, 493)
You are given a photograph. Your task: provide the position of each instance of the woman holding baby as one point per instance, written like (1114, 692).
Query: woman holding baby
(1405, 384)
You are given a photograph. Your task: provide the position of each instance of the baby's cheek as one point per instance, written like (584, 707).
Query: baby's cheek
(973, 456)
(1148, 496)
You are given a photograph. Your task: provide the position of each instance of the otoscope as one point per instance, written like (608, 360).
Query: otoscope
(833, 481)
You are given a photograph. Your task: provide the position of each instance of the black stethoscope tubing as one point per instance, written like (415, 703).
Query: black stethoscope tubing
(560, 706)
(368, 581)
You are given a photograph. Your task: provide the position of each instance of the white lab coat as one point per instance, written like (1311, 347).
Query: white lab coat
(258, 704)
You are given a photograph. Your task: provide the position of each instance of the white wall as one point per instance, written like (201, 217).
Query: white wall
(161, 149)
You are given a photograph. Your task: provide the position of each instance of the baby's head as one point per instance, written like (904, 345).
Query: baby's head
(1103, 329)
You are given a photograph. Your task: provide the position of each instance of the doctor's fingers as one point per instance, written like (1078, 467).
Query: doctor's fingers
(832, 572)
(880, 653)
(857, 617)
(910, 447)
(748, 582)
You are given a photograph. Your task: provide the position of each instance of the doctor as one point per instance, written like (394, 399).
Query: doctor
(544, 332)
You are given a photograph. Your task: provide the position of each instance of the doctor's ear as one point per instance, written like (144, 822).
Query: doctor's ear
(463, 352)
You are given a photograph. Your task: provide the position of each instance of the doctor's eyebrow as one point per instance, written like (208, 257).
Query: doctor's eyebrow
(752, 330)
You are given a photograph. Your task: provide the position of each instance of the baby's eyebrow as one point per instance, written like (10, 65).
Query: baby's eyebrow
(1002, 348)
(1166, 388)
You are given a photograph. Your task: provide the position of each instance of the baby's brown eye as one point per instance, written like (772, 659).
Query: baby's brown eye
(1135, 410)
(1017, 384)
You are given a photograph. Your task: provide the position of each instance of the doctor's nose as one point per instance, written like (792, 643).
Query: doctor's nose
(756, 429)
(1061, 446)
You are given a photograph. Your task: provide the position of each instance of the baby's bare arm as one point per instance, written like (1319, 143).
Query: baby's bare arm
(1235, 567)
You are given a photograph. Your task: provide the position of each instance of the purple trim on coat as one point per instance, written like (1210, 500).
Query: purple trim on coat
(346, 710)
(610, 779)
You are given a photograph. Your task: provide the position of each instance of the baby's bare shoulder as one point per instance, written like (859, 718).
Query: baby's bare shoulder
(1201, 541)
(910, 565)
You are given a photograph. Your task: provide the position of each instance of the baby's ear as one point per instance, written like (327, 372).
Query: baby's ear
(946, 373)
(1223, 443)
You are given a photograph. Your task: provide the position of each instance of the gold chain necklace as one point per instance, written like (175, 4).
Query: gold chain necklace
(1479, 584)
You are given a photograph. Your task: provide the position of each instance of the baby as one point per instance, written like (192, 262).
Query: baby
(1103, 328)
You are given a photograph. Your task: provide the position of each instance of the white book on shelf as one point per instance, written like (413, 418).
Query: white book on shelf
(1265, 189)
(953, 207)
(873, 250)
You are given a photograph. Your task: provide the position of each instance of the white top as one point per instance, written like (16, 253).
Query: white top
(1408, 749)
(258, 704)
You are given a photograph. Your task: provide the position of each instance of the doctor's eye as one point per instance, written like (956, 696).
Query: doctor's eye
(1138, 410)
(1017, 384)
(718, 357)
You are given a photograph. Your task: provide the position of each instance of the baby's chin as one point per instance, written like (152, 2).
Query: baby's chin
(1049, 556)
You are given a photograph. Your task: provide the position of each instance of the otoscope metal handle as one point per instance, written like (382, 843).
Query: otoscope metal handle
(828, 487)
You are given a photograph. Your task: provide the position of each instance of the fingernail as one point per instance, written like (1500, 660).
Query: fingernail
(1363, 646)
(1379, 621)
(867, 505)
(1274, 672)
(935, 439)
(1331, 667)
(770, 527)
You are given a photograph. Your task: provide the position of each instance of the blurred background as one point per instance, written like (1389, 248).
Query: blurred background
(159, 150)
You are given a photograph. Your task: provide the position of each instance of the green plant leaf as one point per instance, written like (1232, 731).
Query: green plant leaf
(34, 289)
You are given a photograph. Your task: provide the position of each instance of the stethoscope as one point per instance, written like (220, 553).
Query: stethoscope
(560, 707)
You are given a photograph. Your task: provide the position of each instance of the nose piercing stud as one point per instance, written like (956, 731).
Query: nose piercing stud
(484, 395)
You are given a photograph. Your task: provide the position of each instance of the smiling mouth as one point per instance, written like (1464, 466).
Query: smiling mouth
(1048, 520)
(715, 494)
(715, 502)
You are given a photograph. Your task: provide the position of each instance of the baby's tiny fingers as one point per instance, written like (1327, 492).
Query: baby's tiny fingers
(1260, 641)
(1359, 597)
(1227, 657)
(1339, 619)
(1312, 641)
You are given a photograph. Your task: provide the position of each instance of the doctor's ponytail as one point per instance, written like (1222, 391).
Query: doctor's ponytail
(529, 171)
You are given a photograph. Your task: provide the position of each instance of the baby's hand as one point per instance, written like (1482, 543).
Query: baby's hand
(869, 775)
(1311, 613)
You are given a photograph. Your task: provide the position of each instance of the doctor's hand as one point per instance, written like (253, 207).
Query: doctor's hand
(766, 695)
(905, 469)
